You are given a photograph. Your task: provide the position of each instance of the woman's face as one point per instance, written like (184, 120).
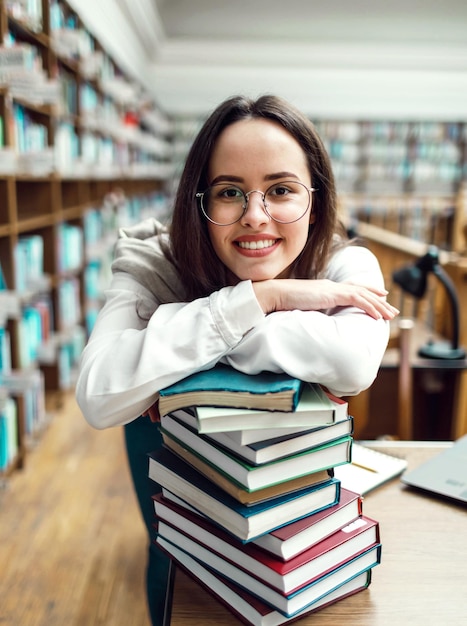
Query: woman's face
(252, 155)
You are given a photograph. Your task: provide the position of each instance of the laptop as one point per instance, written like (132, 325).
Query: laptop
(445, 474)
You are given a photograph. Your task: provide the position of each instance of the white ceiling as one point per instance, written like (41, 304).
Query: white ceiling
(333, 58)
(403, 21)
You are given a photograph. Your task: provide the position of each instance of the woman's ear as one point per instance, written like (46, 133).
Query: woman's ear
(312, 217)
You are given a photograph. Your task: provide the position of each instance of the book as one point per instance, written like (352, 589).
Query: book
(236, 491)
(291, 604)
(252, 435)
(314, 408)
(274, 448)
(444, 474)
(250, 609)
(222, 385)
(244, 522)
(284, 576)
(369, 469)
(253, 477)
(9, 448)
(290, 540)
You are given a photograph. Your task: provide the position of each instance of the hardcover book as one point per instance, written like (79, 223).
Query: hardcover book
(250, 609)
(314, 408)
(245, 522)
(254, 477)
(292, 539)
(248, 436)
(284, 576)
(270, 449)
(225, 482)
(287, 604)
(224, 386)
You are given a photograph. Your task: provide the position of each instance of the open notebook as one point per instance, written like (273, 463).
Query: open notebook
(444, 474)
(369, 469)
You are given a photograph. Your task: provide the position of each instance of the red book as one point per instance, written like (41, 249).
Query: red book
(250, 609)
(290, 606)
(286, 577)
(290, 540)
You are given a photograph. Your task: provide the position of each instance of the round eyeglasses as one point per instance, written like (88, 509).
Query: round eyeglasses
(284, 202)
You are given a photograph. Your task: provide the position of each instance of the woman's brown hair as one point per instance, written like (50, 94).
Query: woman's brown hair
(200, 269)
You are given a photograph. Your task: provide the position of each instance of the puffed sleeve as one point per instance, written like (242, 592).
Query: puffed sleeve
(129, 357)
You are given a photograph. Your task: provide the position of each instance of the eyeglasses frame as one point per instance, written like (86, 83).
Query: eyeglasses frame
(246, 195)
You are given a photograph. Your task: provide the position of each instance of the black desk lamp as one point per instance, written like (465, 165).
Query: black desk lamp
(413, 279)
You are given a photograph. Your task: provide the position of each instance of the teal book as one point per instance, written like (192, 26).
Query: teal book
(183, 484)
(223, 386)
(3, 285)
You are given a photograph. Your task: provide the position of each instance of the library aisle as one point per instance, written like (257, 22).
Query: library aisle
(72, 543)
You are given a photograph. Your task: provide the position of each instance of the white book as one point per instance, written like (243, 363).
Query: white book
(273, 448)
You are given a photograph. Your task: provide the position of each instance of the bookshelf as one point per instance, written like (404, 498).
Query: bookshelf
(84, 150)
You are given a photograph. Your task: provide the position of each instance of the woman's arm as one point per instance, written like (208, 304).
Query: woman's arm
(342, 351)
(341, 346)
(129, 358)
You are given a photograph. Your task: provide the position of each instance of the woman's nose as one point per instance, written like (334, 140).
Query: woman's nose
(255, 210)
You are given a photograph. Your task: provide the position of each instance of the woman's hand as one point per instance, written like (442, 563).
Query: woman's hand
(316, 295)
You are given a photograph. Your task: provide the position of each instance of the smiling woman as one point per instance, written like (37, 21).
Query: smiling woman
(255, 272)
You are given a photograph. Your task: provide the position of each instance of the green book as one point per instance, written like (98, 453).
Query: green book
(223, 386)
(253, 477)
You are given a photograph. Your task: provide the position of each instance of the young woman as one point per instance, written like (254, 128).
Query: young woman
(255, 272)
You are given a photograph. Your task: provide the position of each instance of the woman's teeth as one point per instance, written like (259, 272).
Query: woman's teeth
(257, 245)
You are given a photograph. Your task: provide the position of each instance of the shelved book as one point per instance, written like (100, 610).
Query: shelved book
(181, 480)
(250, 609)
(253, 477)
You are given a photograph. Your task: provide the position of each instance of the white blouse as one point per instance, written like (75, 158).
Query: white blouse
(129, 358)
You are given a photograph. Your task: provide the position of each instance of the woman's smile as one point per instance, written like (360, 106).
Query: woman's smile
(256, 245)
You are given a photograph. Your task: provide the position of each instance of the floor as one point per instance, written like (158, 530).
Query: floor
(72, 543)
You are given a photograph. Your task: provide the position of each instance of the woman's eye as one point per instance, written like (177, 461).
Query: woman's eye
(231, 193)
(280, 190)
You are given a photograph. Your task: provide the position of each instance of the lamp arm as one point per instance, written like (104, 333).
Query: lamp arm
(452, 294)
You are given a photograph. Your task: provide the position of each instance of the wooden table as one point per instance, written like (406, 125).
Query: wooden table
(421, 581)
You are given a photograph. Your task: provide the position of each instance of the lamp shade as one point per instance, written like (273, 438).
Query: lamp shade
(412, 279)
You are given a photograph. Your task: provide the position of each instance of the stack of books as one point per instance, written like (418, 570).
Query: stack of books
(250, 506)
